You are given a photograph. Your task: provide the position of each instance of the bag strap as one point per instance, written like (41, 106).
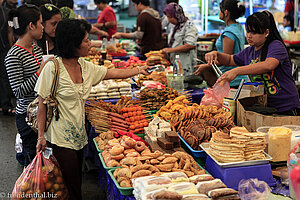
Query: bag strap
(56, 76)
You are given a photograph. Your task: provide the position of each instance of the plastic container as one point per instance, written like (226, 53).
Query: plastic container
(295, 134)
(232, 176)
(279, 143)
(104, 165)
(205, 45)
(265, 129)
(96, 144)
(124, 191)
(194, 153)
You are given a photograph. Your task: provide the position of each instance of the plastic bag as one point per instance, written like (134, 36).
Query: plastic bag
(18, 145)
(42, 179)
(216, 95)
(254, 189)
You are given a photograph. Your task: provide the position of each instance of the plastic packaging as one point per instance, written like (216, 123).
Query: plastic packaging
(279, 143)
(184, 188)
(293, 162)
(195, 197)
(199, 178)
(18, 145)
(177, 177)
(254, 189)
(216, 95)
(205, 186)
(42, 179)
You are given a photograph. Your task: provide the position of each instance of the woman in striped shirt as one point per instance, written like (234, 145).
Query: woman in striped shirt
(24, 64)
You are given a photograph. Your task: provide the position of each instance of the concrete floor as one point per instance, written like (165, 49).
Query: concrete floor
(10, 170)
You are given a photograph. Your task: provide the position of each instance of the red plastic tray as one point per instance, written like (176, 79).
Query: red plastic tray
(291, 42)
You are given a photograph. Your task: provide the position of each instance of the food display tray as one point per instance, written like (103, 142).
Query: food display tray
(205, 147)
(96, 144)
(126, 191)
(195, 153)
(104, 165)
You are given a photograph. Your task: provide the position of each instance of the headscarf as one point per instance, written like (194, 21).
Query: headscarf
(67, 13)
(175, 11)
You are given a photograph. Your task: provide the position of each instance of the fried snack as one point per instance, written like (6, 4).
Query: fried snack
(166, 195)
(141, 173)
(126, 151)
(124, 172)
(165, 167)
(146, 151)
(118, 157)
(133, 154)
(116, 150)
(130, 142)
(140, 146)
(125, 183)
(128, 161)
(113, 163)
(154, 161)
(169, 160)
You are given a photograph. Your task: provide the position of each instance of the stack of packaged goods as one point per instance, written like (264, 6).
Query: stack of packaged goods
(177, 186)
(157, 128)
(110, 89)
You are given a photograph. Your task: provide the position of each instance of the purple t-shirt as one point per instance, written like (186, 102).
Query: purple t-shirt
(279, 84)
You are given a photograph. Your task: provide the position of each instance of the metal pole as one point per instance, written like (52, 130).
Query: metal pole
(206, 16)
(202, 15)
(251, 7)
(296, 14)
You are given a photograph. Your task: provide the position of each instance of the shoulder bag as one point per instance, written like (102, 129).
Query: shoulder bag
(50, 102)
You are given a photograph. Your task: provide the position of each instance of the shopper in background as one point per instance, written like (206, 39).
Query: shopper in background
(37, 3)
(6, 41)
(51, 16)
(288, 23)
(182, 39)
(107, 18)
(266, 61)
(24, 64)
(231, 41)
(149, 32)
(67, 135)
(165, 24)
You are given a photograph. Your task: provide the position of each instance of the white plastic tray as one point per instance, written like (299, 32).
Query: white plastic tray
(205, 147)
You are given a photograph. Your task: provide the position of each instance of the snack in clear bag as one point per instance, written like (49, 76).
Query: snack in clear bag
(195, 197)
(205, 186)
(176, 177)
(166, 195)
(184, 188)
(42, 179)
(200, 178)
(253, 189)
(155, 183)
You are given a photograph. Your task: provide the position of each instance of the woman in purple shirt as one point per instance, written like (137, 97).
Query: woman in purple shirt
(266, 61)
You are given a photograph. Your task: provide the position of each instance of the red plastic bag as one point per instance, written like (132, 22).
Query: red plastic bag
(42, 179)
(215, 95)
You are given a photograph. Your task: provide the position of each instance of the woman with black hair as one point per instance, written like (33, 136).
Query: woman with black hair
(24, 64)
(231, 41)
(266, 61)
(51, 16)
(67, 136)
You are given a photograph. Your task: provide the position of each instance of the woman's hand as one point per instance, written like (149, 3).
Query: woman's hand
(201, 68)
(41, 144)
(103, 33)
(143, 70)
(167, 50)
(117, 35)
(212, 57)
(229, 75)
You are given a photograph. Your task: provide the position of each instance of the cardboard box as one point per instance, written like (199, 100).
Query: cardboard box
(252, 120)
(248, 91)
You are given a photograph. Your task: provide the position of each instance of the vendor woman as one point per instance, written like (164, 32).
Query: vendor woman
(266, 61)
(182, 39)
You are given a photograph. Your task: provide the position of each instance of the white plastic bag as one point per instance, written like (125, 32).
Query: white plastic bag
(18, 145)
(254, 189)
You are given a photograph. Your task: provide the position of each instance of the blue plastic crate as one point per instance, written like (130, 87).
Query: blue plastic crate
(232, 176)
(194, 153)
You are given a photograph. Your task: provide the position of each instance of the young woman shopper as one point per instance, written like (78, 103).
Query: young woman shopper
(67, 136)
(51, 16)
(24, 64)
(266, 61)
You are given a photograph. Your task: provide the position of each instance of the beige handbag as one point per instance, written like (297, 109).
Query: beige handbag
(50, 102)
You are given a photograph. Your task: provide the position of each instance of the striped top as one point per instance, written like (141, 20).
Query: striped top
(21, 68)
